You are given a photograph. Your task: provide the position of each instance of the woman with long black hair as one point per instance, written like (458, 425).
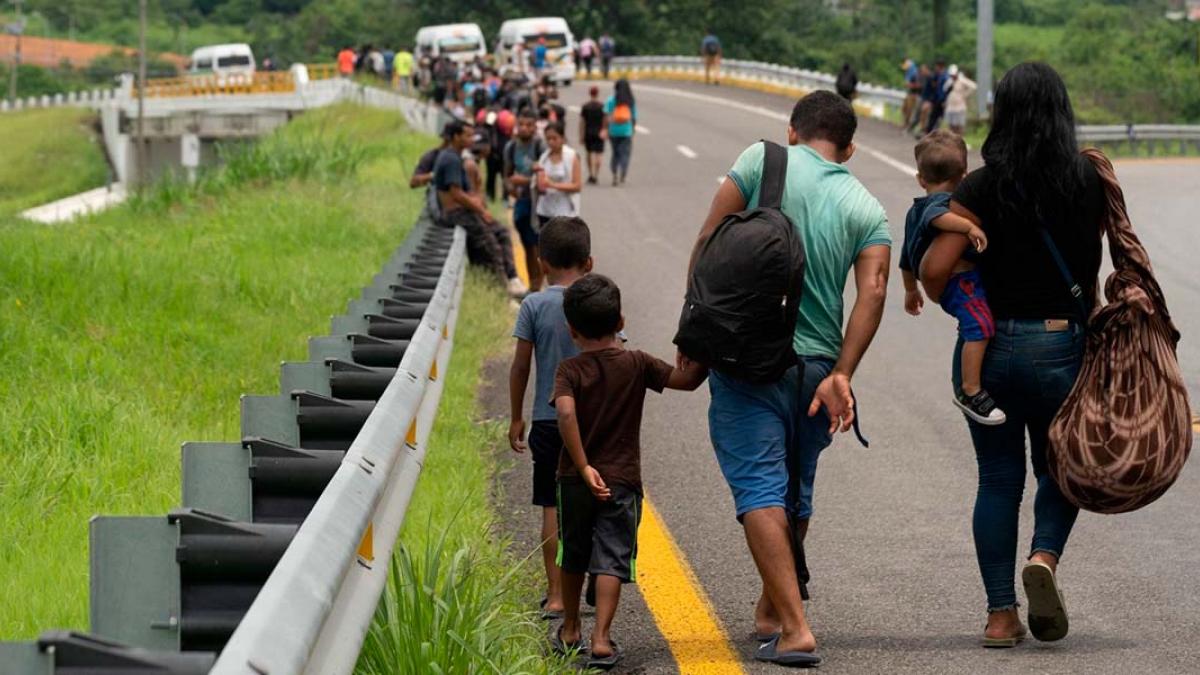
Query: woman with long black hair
(620, 124)
(1037, 199)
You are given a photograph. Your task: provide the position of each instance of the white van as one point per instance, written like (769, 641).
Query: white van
(230, 64)
(461, 42)
(560, 45)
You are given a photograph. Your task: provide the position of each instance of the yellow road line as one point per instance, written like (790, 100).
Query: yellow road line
(1196, 422)
(682, 611)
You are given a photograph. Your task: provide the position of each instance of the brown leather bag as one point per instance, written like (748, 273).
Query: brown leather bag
(1124, 432)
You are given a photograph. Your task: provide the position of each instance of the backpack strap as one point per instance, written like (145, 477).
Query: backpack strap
(774, 175)
(1076, 290)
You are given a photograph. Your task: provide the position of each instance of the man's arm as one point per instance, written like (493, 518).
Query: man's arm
(870, 280)
(518, 380)
(464, 199)
(420, 180)
(687, 375)
(568, 427)
(728, 200)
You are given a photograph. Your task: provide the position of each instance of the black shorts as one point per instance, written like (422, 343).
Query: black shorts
(594, 144)
(598, 537)
(545, 445)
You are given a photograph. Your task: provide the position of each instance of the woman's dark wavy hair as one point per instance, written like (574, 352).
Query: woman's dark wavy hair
(1031, 149)
(623, 93)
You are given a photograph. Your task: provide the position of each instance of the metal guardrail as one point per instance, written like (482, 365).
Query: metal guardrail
(274, 82)
(767, 74)
(1153, 138)
(314, 611)
(282, 549)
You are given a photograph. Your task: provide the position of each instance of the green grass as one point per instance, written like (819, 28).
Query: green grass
(127, 333)
(457, 600)
(47, 155)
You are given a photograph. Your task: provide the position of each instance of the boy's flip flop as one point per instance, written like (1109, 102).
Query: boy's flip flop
(769, 653)
(560, 647)
(1047, 610)
(606, 662)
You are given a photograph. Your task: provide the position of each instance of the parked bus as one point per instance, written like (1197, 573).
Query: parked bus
(229, 64)
(560, 45)
(461, 42)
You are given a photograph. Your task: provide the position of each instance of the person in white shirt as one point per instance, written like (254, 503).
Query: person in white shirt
(559, 175)
(587, 53)
(961, 90)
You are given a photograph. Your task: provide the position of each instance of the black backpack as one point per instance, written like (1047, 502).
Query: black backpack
(743, 294)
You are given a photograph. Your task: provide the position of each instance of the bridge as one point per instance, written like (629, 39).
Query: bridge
(895, 586)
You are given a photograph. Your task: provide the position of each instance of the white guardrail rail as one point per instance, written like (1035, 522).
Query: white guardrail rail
(314, 611)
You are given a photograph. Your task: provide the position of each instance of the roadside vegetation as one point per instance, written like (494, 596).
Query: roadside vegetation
(47, 155)
(458, 601)
(127, 333)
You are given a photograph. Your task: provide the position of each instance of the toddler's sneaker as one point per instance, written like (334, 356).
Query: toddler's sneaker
(980, 407)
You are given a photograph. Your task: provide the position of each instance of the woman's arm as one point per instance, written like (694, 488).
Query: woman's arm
(576, 183)
(945, 252)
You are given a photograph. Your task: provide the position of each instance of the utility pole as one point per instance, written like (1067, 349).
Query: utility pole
(141, 95)
(18, 29)
(983, 55)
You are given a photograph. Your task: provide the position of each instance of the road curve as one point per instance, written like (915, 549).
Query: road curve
(895, 583)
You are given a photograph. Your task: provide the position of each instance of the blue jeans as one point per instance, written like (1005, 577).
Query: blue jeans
(766, 444)
(622, 149)
(1029, 373)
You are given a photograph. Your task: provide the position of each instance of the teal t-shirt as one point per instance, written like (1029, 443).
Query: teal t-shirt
(837, 219)
(624, 129)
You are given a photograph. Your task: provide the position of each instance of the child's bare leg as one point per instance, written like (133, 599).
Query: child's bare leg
(554, 601)
(972, 366)
(608, 594)
(572, 587)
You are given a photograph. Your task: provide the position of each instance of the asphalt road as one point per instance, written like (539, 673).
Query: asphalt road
(895, 587)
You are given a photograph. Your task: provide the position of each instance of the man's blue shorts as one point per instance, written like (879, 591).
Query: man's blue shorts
(965, 300)
(760, 430)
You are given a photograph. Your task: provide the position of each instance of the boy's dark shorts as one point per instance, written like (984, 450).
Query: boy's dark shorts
(598, 537)
(965, 300)
(523, 221)
(545, 444)
(594, 144)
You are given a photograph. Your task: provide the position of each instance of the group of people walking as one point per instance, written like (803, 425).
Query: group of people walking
(984, 243)
(934, 94)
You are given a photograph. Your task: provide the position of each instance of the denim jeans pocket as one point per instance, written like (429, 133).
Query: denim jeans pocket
(1055, 377)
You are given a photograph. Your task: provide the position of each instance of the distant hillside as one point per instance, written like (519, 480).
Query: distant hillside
(55, 53)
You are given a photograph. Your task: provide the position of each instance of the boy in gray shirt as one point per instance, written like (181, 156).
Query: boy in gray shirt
(565, 255)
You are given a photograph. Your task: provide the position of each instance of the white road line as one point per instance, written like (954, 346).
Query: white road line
(906, 169)
(686, 151)
(573, 108)
(642, 130)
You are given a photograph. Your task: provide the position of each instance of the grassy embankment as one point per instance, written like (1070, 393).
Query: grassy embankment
(46, 155)
(126, 333)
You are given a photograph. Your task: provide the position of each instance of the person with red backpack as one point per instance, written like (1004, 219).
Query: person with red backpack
(620, 123)
(774, 410)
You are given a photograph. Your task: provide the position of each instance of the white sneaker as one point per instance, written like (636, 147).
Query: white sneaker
(517, 288)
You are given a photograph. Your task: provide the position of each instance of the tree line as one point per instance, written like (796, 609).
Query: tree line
(1124, 61)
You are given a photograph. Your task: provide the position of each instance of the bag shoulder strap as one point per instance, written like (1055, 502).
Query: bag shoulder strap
(774, 175)
(1076, 290)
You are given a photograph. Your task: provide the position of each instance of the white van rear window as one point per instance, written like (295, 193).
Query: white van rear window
(233, 60)
(553, 40)
(453, 45)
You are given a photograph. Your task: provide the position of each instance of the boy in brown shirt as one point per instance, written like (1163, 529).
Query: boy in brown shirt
(598, 396)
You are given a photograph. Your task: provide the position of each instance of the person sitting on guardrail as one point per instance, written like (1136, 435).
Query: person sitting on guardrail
(598, 396)
(422, 175)
(488, 243)
(542, 334)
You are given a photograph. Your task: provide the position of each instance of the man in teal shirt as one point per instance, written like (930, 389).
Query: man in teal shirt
(767, 437)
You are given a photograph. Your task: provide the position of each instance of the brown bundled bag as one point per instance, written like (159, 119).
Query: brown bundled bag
(1124, 432)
